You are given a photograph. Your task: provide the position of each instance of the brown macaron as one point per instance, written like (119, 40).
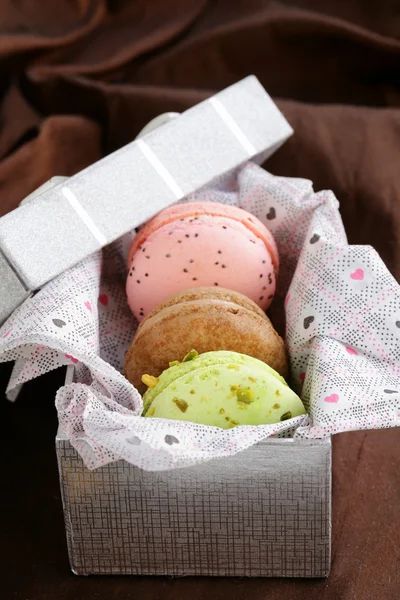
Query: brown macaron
(206, 319)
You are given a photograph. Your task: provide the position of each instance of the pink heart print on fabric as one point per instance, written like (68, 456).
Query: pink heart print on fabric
(103, 299)
(74, 360)
(350, 350)
(358, 275)
(88, 305)
(333, 398)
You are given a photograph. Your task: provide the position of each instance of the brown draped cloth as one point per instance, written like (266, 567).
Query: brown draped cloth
(78, 79)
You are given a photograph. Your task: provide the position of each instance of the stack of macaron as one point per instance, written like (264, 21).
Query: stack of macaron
(201, 275)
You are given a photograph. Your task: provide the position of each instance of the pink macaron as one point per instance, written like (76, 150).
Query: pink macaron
(201, 244)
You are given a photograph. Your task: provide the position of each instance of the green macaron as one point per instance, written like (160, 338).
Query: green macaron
(223, 389)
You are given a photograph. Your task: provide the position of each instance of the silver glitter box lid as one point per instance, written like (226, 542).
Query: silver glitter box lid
(70, 219)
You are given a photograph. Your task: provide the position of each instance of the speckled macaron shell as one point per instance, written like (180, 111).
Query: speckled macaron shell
(201, 248)
(222, 389)
(215, 209)
(206, 320)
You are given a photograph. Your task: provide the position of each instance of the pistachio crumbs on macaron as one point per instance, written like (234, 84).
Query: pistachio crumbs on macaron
(224, 389)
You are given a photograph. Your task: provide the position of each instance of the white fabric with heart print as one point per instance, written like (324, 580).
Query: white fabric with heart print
(342, 329)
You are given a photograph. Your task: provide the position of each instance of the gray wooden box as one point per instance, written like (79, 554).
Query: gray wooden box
(265, 512)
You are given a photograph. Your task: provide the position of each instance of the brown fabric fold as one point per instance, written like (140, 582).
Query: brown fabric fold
(79, 79)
